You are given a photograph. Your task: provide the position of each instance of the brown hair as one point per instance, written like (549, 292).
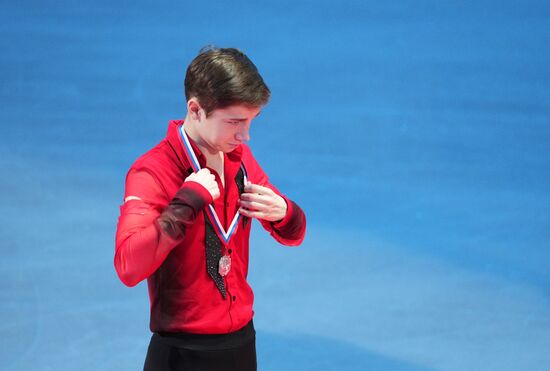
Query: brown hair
(220, 77)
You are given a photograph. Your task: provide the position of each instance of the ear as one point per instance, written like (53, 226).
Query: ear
(194, 109)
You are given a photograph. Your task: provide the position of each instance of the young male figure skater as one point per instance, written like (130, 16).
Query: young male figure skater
(185, 221)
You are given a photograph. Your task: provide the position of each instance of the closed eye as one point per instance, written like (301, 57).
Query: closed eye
(234, 122)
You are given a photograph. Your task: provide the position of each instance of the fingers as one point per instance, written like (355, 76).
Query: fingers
(257, 198)
(214, 191)
(205, 171)
(251, 205)
(261, 203)
(256, 188)
(208, 180)
(252, 214)
(206, 175)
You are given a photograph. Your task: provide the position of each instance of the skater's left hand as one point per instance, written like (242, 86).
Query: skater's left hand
(262, 203)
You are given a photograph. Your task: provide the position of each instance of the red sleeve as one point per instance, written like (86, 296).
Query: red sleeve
(291, 229)
(142, 244)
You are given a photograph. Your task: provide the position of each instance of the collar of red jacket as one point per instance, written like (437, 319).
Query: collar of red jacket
(174, 138)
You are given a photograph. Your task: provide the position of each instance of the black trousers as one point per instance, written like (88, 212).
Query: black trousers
(164, 355)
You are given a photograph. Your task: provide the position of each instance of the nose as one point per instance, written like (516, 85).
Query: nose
(243, 134)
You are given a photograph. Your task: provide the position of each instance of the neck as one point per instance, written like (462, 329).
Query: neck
(190, 128)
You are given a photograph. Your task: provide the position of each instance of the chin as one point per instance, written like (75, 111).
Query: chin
(231, 148)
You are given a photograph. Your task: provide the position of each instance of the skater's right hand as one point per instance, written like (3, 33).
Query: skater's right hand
(205, 178)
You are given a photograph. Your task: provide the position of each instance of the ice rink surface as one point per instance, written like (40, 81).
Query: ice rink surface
(415, 135)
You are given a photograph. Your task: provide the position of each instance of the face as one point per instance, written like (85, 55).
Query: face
(226, 128)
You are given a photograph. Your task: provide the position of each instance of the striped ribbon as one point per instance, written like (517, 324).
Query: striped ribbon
(224, 235)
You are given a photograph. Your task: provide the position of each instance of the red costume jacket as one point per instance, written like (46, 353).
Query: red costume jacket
(184, 298)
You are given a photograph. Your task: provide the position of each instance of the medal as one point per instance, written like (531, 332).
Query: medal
(224, 266)
(224, 235)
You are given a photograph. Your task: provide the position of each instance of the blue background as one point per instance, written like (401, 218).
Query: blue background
(414, 134)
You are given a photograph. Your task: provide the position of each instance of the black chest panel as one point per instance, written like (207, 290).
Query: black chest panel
(213, 245)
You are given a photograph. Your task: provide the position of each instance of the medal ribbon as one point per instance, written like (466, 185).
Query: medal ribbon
(224, 235)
